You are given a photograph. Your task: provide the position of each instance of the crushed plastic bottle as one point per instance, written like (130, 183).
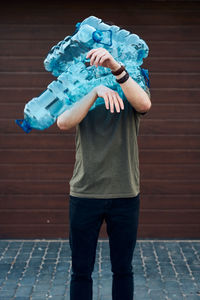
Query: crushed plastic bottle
(67, 61)
(93, 33)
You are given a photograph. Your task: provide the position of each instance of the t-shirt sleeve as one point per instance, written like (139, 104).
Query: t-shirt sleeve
(149, 94)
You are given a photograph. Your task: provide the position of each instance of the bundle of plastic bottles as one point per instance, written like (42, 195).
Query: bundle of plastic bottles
(76, 77)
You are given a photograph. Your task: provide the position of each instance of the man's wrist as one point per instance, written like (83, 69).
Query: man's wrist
(115, 67)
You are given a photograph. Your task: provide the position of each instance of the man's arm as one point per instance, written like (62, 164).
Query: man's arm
(72, 117)
(77, 112)
(137, 97)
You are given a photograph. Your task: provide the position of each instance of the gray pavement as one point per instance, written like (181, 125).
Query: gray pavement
(41, 269)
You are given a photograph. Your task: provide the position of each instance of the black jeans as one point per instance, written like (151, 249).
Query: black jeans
(86, 217)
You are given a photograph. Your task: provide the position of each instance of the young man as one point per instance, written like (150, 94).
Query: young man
(105, 181)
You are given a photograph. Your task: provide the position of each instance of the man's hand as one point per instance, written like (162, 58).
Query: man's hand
(111, 98)
(101, 57)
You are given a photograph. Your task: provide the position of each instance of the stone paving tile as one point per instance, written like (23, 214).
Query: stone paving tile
(41, 269)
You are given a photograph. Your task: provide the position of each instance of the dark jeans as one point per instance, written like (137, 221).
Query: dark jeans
(86, 217)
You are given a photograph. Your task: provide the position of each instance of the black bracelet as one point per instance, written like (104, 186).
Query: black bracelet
(119, 71)
(123, 79)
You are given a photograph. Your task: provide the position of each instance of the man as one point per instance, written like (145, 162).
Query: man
(105, 181)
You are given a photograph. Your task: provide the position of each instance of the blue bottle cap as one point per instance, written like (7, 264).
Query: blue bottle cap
(24, 125)
(97, 36)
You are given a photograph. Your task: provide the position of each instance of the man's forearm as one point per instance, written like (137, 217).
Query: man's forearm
(70, 118)
(137, 97)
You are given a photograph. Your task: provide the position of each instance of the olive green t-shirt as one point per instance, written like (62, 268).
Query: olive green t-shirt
(107, 164)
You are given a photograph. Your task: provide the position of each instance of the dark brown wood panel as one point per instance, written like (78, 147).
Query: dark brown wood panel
(42, 141)
(67, 141)
(36, 167)
(58, 216)
(166, 95)
(156, 64)
(59, 171)
(158, 111)
(175, 156)
(22, 201)
(41, 201)
(148, 126)
(27, 49)
(60, 187)
(39, 80)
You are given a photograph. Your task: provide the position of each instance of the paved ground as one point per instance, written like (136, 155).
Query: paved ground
(40, 270)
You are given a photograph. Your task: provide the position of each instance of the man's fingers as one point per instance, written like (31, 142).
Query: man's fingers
(121, 102)
(103, 58)
(91, 52)
(116, 103)
(96, 61)
(111, 102)
(96, 57)
(106, 101)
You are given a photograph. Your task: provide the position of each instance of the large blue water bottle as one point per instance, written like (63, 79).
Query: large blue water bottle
(67, 61)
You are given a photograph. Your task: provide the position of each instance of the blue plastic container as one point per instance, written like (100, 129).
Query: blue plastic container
(67, 61)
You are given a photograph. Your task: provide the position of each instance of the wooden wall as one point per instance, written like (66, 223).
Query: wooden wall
(36, 167)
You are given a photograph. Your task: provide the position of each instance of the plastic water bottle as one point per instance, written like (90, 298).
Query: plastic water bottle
(93, 33)
(67, 61)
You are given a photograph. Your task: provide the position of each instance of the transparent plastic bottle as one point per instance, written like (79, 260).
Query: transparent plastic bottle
(67, 61)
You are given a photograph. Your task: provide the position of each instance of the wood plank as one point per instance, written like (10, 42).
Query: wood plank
(35, 48)
(175, 95)
(11, 201)
(170, 171)
(25, 187)
(66, 140)
(59, 32)
(169, 156)
(155, 64)
(20, 201)
(65, 15)
(172, 65)
(33, 80)
(21, 64)
(174, 80)
(26, 48)
(60, 216)
(62, 231)
(36, 216)
(174, 48)
(168, 142)
(147, 126)
(176, 156)
(169, 231)
(36, 171)
(61, 187)
(40, 141)
(170, 187)
(37, 156)
(174, 111)
(158, 95)
(41, 80)
(32, 231)
(9, 126)
(64, 171)
(172, 127)
(169, 201)
(157, 111)
(69, 7)
(179, 216)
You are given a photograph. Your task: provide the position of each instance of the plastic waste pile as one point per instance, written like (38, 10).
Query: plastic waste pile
(75, 77)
